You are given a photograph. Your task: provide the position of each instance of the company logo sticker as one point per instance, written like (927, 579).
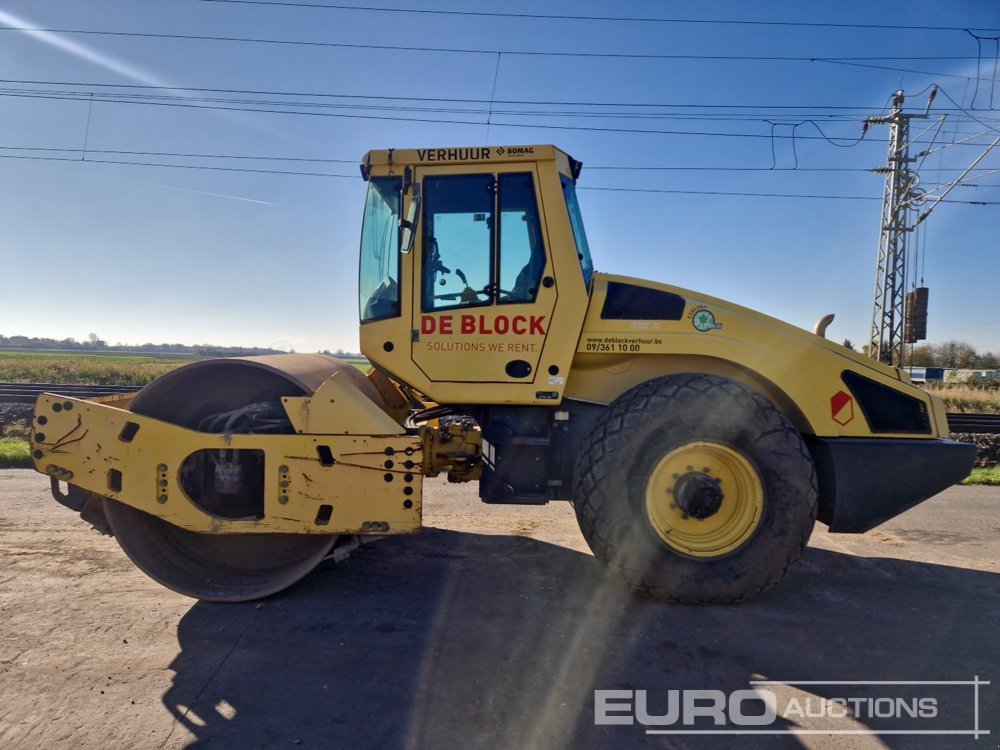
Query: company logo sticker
(703, 320)
(842, 407)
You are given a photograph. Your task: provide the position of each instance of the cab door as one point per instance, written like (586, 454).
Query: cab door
(483, 285)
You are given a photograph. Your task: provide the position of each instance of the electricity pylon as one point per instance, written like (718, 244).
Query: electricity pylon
(887, 339)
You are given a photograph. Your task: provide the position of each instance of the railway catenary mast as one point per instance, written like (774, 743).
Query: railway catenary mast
(889, 314)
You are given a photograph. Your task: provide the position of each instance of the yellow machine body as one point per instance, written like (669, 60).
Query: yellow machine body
(700, 437)
(459, 355)
(798, 371)
(318, 481)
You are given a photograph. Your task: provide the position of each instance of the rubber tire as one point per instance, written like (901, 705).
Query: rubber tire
(646, 423)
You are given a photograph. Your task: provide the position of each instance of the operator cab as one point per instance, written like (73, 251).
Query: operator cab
(465, 289)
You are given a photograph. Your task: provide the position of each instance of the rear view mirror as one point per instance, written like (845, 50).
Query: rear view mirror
(409, 225)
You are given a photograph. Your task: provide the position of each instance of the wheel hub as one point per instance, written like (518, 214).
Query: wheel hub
(704, 499)
(698, 495)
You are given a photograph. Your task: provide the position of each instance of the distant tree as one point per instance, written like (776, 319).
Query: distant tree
(956, 354)
(848, 345)
(924, 356)
(987, 361)
(94, 342)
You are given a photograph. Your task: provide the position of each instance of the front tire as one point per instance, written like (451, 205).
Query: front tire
(696, 488)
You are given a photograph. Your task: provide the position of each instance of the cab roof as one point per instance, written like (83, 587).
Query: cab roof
(458, 155)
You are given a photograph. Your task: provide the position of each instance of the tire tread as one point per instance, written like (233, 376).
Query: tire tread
(596, 514)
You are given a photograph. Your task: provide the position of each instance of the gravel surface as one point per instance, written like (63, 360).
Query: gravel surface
(15, 419)
(490, 629)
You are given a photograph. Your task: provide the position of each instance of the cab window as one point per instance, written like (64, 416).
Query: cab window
(378, 287)
(522, 254)
(580, 236)
(469, 258)
(458, 241)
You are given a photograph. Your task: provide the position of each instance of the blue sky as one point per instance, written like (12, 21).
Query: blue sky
(198, 253)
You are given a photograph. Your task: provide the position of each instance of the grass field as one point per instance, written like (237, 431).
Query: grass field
(91, 369)
(14, 454)
(990, 475)
(968, 399)
(84, 369)
(96, 369)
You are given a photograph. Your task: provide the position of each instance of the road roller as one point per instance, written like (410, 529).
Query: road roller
(698, 441)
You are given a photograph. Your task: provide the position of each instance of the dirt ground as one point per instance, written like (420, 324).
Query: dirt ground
(490, 629)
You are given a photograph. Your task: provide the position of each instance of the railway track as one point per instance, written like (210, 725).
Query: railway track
(26, 393)
(975, 423)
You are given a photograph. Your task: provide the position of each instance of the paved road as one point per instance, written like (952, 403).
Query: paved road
(490, 629)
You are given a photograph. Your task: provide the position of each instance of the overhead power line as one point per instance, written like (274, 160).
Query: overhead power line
(188, 103)
(865, 108)
(205, 167)
(759, 195)
(873, 66)
(86, 154)
(180, 155)
(772, 170)
(354, 176)
(472, 51)
(962, 109)
(718, 116)
(771, 117)
(626, 19)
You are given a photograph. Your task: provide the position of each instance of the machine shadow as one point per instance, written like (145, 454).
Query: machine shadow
(452, 639)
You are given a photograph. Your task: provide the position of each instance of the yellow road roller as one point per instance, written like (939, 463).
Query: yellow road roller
(698, 441)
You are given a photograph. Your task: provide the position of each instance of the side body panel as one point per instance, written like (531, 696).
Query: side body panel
(798, 371)
(313, 482)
